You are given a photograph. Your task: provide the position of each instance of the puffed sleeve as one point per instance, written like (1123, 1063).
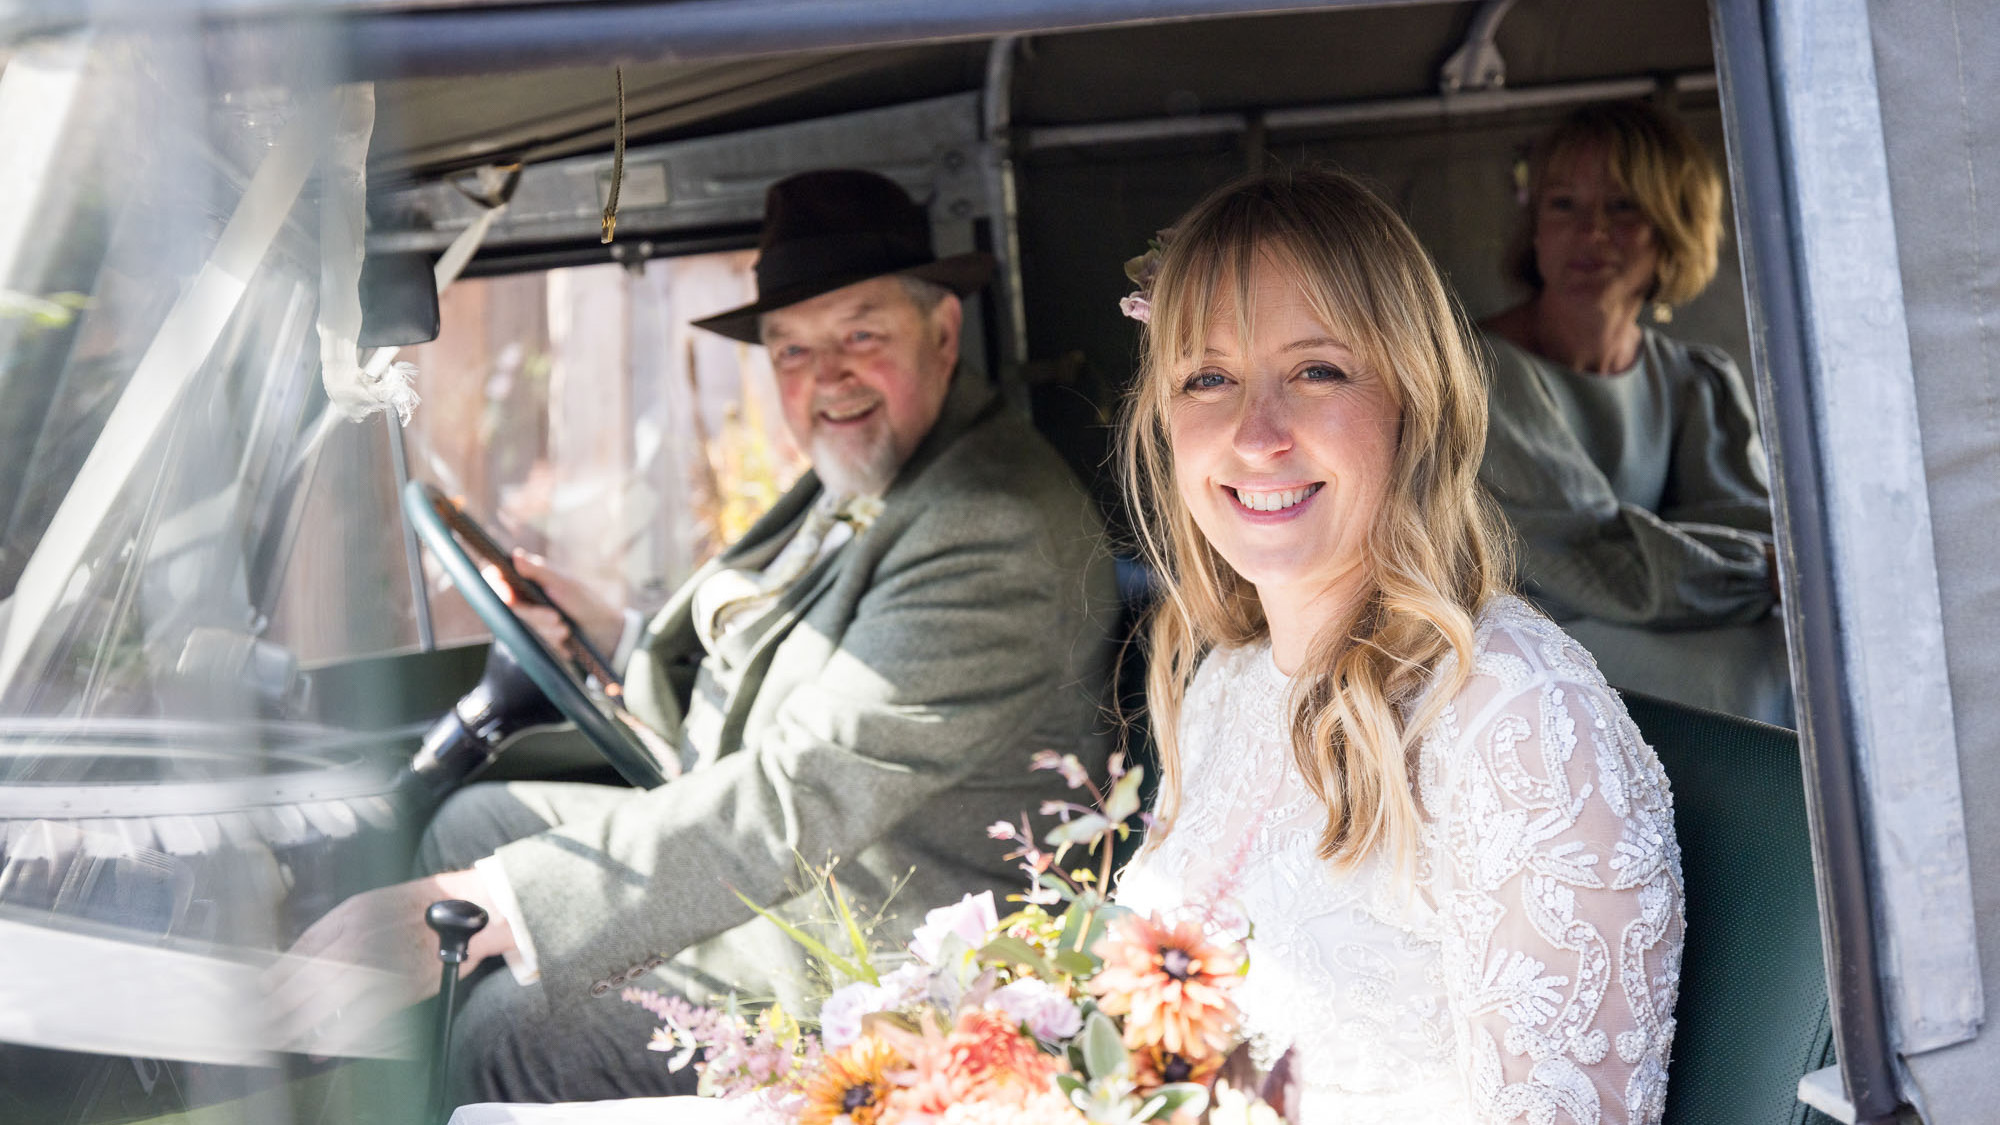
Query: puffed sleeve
(1557, 881)
(1718, 475)
(1584, 551)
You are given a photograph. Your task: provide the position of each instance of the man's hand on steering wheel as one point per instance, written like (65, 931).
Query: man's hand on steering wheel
(464, 550)
(601, 623)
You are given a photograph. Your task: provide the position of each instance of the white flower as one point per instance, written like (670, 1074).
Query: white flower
(862, 511)
(909, 983)
(1137, 307)
(970, 918)
(1049, 1015)
(1234, 1107)
(840, 1016)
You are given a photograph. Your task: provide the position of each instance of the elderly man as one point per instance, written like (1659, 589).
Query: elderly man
(865, 676)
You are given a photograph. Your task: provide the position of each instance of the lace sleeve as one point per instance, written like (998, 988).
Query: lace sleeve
(1557, 879)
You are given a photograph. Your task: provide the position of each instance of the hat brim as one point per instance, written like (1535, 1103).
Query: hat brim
(963, 274)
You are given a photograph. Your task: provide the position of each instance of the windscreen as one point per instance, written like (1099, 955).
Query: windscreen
(173, 481)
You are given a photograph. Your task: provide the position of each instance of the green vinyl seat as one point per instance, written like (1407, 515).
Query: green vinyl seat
(1752, 1017)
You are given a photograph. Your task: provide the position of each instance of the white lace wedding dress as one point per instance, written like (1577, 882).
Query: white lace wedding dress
(1523, 969)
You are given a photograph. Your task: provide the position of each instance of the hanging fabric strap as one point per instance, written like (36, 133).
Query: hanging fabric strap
(617, 157)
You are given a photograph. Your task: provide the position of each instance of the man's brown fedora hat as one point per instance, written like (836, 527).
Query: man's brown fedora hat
(825, 230)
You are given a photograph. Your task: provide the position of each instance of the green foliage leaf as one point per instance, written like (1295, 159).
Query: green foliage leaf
(856, 940)
(1103, 1051)
(1076, 963)
(897, 1020)
(1079, 830)
(1178, 1096)
(1009, 950)
(1123, 801)
(1055, 884)
(1086, 920)
(833, 962)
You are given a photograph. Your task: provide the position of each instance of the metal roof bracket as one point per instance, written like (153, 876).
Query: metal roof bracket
(1477, 64)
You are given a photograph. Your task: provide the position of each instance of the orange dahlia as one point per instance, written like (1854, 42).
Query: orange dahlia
(985, 1058)
(1156, 1066)
(1170, 983)
(854, 1081)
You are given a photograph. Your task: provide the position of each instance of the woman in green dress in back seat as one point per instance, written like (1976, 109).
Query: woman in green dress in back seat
(1627, 461)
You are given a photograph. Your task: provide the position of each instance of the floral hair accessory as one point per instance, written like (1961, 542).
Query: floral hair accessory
(1142, 270)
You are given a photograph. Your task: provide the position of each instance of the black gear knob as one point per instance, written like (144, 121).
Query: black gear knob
(455, 921)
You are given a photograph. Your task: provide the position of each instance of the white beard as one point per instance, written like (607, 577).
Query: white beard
(851, 471)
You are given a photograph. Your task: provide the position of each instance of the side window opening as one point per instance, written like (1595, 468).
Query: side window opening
(578, 414)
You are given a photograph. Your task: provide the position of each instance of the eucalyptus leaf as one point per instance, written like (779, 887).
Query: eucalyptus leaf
(1081, 830)
(1123, 800)
(1009, 950)
(1077, 917)
(1103, 1050)
(1076, 963)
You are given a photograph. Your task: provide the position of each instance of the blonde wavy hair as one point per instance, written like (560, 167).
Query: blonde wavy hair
(1437, 550)
(1671, 178)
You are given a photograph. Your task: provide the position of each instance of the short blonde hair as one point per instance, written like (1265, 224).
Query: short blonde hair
(1671, 178)
(1437, 548)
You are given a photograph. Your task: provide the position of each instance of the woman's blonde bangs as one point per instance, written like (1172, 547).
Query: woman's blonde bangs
(1209, 272)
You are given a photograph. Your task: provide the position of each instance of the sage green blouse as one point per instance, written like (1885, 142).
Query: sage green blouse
(1639, 498)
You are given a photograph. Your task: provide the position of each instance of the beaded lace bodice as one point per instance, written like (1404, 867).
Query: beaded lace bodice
(1523, 967)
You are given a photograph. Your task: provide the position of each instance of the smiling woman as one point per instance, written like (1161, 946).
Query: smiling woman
(1629, 462)
(1357, 724)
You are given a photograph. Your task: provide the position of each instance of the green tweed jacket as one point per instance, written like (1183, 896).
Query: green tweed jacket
(885, 713)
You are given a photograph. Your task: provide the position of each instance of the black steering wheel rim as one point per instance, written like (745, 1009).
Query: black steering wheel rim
(620, 747)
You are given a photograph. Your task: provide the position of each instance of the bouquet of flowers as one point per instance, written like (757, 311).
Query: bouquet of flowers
(1069, 1009)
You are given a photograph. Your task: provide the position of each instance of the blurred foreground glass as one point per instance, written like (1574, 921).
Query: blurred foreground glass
(173, 807)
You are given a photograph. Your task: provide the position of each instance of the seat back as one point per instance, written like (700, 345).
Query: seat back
(1752, 1017)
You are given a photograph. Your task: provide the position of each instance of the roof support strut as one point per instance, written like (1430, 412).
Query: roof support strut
(392, 42)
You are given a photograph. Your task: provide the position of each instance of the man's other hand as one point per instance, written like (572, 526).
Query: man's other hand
(369, 958)
(600, 621)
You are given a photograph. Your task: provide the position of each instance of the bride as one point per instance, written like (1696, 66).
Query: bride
(1452, 852)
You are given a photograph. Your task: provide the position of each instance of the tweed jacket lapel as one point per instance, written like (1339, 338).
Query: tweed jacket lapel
(965, 402)
(661, 670)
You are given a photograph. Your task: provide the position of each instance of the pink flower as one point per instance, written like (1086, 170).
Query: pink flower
(1047, 1013)
(1137, 307)
(1073, 773)
(970, 919)
(840, 1016)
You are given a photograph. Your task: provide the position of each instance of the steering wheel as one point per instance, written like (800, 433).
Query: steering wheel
(454, 538)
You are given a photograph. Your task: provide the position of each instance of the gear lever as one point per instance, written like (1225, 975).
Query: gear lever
(455, 921)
